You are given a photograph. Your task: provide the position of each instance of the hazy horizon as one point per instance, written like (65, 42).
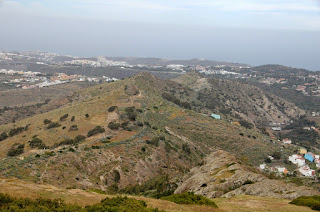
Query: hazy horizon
(267, 32)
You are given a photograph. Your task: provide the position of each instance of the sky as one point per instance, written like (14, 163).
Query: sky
(254, 32)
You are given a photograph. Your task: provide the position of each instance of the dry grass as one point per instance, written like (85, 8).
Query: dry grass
(22, 189)
(257, 204)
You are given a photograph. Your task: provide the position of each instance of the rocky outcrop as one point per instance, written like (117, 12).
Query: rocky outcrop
(222, 176)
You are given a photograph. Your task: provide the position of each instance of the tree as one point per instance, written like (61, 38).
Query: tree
(277, 155)
(116, 176)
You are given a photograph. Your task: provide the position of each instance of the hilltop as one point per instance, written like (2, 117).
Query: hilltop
(149, 136)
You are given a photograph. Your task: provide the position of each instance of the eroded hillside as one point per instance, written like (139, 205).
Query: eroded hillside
(242, 100)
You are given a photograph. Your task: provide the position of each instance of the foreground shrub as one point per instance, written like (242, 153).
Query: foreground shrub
(117, 204)
(9, 203)
(95, 131)
(121, 204)
(312, 202)
(190, 199)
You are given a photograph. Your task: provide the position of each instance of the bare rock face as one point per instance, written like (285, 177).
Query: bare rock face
(222, 176)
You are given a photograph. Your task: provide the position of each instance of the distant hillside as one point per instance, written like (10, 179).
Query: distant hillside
(242, 100)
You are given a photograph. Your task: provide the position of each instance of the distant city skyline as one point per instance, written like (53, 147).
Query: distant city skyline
(254, 32)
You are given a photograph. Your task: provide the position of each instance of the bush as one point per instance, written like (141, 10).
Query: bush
(64, 117)
(124, 125)
(121, 204)
(186, 148)
(95, 131)
(15, 150)
(47, 121)
(246, 124)
(113, 125)
(116, 176)
(3, 136)
(277, 155)
(73, 128)
(112, 108)
(73, 118)
(36, 143)
(9, 203)
(53, 125)
(16, 131)
(310, 201)
(131, 113)
(67, 142)
(190, 199)
(267, 160)
(87, 115)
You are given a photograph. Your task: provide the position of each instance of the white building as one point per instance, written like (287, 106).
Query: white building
(306, 171)
(263, 166)
(297, 160)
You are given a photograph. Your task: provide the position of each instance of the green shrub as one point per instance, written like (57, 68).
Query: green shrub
(3, 136)
(113, 125)
(36, 143)
(64, 117)
(16, 131)
(246, 124)
(124, 125)
(73, 118)
(73, 128)
(186, 148)
(119, 204)
(310, 201)
(112, 108)
(53, 125)
(47, 121)
(87, 115)
(116, 176)
(190, 199)
(15, 150)
(96, 130)
(67, 142)
(9, 203)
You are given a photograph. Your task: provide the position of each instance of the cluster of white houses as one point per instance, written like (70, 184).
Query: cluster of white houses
(300, 161)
